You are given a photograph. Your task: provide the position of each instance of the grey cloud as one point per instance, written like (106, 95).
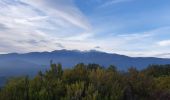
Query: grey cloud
(163, 54)
(3, 27)
(30, 41)
(97, 47)
(60, 45)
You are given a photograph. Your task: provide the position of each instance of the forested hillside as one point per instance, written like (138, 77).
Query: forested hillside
(91, 82)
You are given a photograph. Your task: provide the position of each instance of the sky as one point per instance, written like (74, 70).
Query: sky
(129, 27)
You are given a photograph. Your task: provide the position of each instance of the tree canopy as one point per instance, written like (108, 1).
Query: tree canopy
(91, 82)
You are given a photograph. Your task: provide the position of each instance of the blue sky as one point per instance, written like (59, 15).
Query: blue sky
(130, 27)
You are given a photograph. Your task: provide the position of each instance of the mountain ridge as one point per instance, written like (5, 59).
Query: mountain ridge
(30, 63)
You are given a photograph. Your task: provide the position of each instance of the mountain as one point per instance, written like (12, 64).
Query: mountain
(15, 64)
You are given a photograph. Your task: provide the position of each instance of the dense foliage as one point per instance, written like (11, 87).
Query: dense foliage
(91, 82)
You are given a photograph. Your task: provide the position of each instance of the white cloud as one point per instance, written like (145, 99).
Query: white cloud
(63, 9)
(111, 2)
(136, 44)
(38, 25)
(164, 43)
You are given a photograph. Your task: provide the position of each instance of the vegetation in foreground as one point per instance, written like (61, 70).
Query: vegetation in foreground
(91, 82)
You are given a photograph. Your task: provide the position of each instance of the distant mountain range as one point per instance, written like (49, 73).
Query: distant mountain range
(15, 64)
